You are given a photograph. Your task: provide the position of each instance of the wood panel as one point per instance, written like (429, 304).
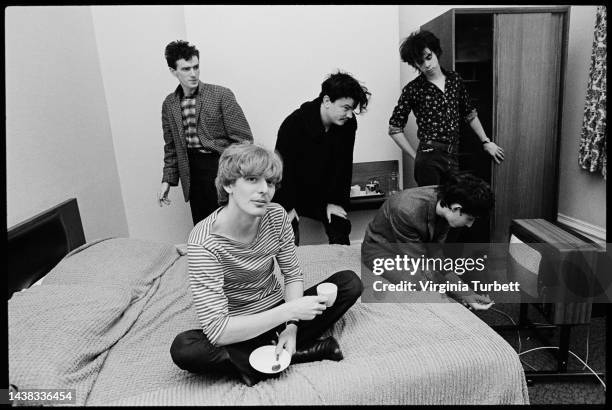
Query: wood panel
(443, 27)
(527, 67)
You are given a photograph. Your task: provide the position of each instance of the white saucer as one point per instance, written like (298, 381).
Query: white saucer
(264, 357)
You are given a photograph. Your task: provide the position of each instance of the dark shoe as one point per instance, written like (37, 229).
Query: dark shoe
(326, 349)
(249, 379)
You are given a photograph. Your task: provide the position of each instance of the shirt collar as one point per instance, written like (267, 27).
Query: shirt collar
(447, 73)
(181, 94)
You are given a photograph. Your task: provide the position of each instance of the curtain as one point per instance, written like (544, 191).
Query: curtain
(592, 155)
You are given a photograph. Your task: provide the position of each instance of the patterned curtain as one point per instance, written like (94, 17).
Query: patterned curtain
(592, 155)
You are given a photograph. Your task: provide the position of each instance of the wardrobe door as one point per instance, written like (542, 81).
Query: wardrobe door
(443, 27)
(527, 87)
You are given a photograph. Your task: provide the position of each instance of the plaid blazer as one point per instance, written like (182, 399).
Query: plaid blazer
(220, 123)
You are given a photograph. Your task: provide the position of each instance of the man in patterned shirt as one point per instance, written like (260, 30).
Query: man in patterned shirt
(199, 121)
(440, 102)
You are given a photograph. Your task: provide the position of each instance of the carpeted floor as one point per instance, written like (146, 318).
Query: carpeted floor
(583, 338)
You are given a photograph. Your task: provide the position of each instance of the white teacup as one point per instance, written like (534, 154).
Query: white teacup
(329, 290)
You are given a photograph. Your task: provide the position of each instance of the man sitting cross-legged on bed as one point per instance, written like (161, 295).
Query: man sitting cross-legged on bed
(414, 219)
(238, 299)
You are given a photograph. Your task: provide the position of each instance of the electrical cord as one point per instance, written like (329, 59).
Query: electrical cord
(586, 359)
(574, 354)
(585, 362)
(518, 333)
(524, 362)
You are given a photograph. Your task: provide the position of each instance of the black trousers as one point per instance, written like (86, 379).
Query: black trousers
(337, 230)
(202, 192)
(431, 166)
(192, 351)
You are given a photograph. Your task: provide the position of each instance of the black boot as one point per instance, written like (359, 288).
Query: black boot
(193, 352)
(326, 349)
(247, 374)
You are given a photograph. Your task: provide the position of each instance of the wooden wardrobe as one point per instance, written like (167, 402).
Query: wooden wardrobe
(512, 61)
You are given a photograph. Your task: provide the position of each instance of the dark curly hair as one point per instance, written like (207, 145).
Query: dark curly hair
(343, 85)
(412, 47)
(179, 49)
(472, 193)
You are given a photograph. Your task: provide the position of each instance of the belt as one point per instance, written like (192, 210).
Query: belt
(442, 146)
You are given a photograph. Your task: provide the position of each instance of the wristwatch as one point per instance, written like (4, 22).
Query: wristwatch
(291, 322)
(486, 141)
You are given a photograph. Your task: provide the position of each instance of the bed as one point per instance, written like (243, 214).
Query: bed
(103, 319)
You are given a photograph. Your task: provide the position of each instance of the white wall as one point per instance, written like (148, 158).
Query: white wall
(131, 42)
(275, 58)
(58, 142)
(582, 195)
(272, 57)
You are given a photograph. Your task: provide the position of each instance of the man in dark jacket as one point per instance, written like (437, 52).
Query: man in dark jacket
(316, 144)
(416, 222)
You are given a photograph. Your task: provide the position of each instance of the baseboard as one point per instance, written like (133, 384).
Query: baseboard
(593, 232)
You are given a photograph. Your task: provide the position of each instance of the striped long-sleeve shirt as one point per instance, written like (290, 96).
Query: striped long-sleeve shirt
(229, 278)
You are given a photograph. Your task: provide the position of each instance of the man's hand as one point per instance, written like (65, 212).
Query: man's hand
(306, 307)
(477, 302)
(293, 214)
(162, 196)
(286, 340)
(400, 139)
(495, 151)
(333, 209)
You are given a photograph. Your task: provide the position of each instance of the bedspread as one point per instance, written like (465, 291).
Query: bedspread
(129, 308)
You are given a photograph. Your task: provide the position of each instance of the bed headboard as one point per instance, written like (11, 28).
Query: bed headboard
(35, 246)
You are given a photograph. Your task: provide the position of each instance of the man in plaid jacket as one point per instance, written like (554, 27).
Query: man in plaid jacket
(199, 121)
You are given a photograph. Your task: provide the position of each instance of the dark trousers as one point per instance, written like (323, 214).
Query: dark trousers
(431, 166)
(337, 231)
(192, 351)
(202, 191)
